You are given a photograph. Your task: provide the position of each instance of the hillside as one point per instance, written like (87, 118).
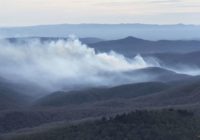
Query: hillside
(101, 94)
(130, 46)
(140, 125)
(175, 59)
(181, 95)
(10, 97)
(97, 102)
(163, 78)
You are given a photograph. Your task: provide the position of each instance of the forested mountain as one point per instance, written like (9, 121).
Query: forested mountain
(140, 125)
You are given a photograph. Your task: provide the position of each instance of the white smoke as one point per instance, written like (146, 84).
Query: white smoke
(65, 63)
(191, 70)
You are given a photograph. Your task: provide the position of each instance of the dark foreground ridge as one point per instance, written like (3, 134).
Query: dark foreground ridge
(139, 125)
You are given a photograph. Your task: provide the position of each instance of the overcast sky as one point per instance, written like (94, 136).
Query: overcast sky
(35, 12)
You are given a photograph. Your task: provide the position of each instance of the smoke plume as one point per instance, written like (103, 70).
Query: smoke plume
(59, 64)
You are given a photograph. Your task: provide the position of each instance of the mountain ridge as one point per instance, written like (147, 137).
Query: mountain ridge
(106, 31)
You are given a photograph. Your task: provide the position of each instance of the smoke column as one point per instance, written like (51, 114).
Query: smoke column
(62, 63)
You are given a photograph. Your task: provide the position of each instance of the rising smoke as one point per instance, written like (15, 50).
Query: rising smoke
(64, 64)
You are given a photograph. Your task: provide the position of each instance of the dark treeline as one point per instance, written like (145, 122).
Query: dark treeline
(165, 124)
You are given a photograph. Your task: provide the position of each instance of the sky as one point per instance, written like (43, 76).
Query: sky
(38, 12)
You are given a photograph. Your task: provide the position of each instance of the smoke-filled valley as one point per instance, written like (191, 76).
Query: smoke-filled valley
(99, 70)
(62, 64)
(65, 64)
(50, 83)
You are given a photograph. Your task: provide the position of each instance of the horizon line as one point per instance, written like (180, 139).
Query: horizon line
(150, 24)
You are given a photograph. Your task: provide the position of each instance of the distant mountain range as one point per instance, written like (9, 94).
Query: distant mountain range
(107, 31)
(130, 46)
